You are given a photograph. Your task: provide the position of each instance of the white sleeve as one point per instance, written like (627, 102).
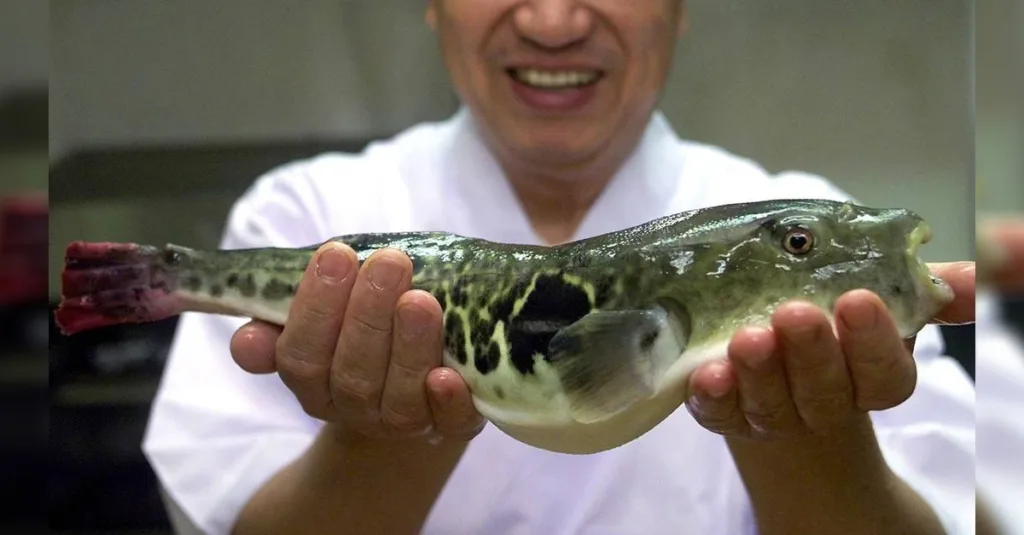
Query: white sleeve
(929, 439)
(1000, 372)
(217, 433)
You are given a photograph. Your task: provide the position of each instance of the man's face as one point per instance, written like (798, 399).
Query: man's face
(558, 82)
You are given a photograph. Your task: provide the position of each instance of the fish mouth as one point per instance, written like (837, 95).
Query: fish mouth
(934, 288)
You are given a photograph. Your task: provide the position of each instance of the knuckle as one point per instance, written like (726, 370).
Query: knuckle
(404, 420)
(354, 388)
(300, 372)
(887, 397)
(717, 421)
(823, 408)
(367, 325)
(773, 414)
(823, 400)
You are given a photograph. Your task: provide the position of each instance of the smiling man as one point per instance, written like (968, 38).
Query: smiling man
(345, 422)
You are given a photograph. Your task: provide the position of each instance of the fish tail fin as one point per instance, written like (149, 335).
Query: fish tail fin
(106, 284)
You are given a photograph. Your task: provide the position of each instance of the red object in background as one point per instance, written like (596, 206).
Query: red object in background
(24, 250)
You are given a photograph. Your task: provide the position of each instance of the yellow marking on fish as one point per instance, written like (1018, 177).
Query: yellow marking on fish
(586, 286)
(484, 313)
(498, 337)
(517, 307)
(468, 330)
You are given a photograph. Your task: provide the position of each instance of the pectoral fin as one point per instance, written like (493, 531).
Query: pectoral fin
(610, 360)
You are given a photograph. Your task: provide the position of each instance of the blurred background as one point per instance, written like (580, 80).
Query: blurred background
(161, 114)
(24, 300)
(1000, 194)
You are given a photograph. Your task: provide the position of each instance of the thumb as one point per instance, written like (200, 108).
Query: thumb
(253, 346)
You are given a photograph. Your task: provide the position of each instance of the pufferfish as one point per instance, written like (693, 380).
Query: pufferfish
(576, 348)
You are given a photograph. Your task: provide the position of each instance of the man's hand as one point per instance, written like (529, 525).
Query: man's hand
(798, 377)
(1001, 247)
(362, 351)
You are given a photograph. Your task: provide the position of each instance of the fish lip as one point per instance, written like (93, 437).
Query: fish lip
(937, 290)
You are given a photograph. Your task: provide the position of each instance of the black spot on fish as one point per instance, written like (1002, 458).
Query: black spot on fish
(503, 305)
(232, 280)
(453, 340)
(458, 293)
(216, 290)
(193, 283)
(524, 345)
(481, 335)
(440, 294)
(487, 358)
(552, 305)
(897, 289)
(276, 290)
(499, 392)
(555, 301)
(247, 285)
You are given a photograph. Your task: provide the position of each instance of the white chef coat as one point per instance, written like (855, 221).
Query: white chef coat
(1000, 424)
(216, 433)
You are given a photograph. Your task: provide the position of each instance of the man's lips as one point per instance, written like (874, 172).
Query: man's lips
(555, 78)
(554, 90)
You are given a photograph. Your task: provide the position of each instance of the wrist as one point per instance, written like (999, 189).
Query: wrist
(342, 442)
(841, 463)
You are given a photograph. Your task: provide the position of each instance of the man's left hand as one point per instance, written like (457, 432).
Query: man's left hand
(798, 377)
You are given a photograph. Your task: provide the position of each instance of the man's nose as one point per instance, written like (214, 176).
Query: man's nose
(554, 23)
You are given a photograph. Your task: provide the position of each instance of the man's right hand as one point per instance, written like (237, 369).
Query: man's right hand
(1004, 238)
(362, 351)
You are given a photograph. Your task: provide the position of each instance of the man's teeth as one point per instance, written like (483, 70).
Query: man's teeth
(554, 79)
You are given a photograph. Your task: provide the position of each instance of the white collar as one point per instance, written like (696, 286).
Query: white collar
(641, 190)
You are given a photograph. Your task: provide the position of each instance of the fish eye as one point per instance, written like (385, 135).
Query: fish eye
(798, 241)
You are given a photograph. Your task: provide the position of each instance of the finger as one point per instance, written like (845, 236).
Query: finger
(714, 400)
(364, 349)
(252, 347)
(306, 346)
(883, 371)
(764, 396)
(961, 278)
(455, 417)
(815, 368)
(1006, 239)
(415, 351)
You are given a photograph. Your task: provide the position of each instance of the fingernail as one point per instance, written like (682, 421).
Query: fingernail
(384, 274)
(332, 265)
(412, 322)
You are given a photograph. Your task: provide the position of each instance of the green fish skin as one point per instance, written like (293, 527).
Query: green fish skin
(576, 348)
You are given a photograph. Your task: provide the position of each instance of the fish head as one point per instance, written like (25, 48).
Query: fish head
(764, 254)
(833, 248)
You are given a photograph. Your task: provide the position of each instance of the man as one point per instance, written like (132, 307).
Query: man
(361, 431)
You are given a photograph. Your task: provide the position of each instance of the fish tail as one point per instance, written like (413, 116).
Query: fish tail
(106, 284)
(110, 283)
